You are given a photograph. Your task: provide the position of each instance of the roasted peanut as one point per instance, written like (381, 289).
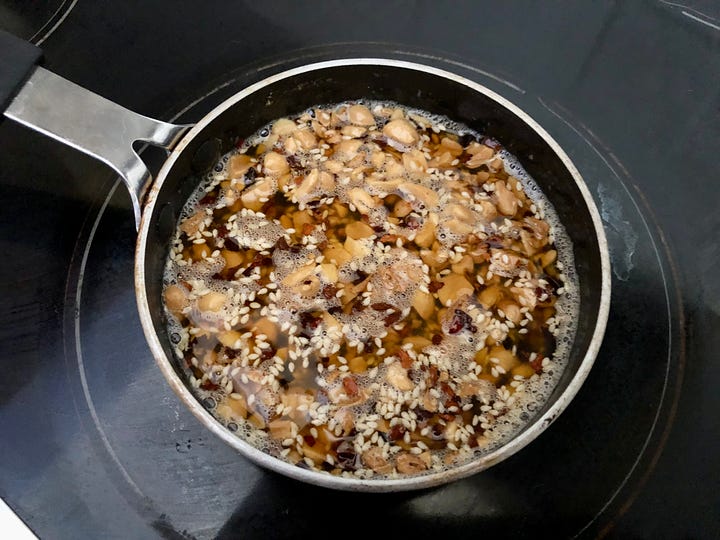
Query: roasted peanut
(211, 302)
(363, 201)
(455, 287)
(507, 202)
(238, 165)
(397, 376)
(283, 127)
(194, 223)
(417, 193)
(262, 189)
(374, 459)
(410, 464)
(354, 132)
(360, 115)
(402, 131)
(305, 139)
(358, 229)
(176, 298)
(275, 164)
(414, 162)
(424, 304)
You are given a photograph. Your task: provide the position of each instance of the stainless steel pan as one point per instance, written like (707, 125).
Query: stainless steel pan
(45, 102)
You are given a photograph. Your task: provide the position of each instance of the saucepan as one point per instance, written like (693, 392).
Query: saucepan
(45, 102)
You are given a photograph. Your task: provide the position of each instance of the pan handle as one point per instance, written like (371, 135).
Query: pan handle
(79, 118)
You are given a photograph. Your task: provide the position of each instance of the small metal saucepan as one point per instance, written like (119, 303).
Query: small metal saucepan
(45, 102)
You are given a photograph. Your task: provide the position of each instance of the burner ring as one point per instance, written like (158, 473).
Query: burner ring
(35, 21)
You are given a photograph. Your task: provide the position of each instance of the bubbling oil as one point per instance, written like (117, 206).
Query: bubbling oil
(341, 300)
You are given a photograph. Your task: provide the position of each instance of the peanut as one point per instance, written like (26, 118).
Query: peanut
(455, 287)
(275, 164)
(402, 131)
(176, 299)
(238, 165)
(212, 301)
(360, 115)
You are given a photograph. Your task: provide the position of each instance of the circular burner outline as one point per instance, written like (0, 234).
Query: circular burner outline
(586, 136)
(57, 18)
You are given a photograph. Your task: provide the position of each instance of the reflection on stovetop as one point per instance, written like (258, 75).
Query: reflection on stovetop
(34, 21)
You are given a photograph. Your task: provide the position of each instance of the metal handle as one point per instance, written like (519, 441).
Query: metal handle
(94, 125)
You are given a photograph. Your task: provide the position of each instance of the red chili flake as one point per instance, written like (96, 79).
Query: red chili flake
(437, 432)
(381, 306)
(350, 386)
(405, 360)
(308, 320)
(436, 339)
(433, 376)
(209, 385)
(231, 244)
(267, 207)
(209, 198)
(455, 326)
(268, 353)
(435, 286)
(413, 222)
(447, 417)
(392, 318)
(307, 228)
(537, 364)
(309, 439)
(396, 432)
(257, 261)
(445, 387)
(389, 238)
(329, 292)
(461, 320)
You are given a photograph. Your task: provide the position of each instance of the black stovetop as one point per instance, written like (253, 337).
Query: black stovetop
(96, 446)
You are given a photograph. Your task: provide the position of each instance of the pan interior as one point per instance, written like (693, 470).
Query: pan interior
(412, 88)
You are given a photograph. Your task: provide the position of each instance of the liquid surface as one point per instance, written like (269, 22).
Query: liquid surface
(372, 291)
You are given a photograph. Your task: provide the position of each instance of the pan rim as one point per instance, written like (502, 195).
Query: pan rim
(431, 479)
